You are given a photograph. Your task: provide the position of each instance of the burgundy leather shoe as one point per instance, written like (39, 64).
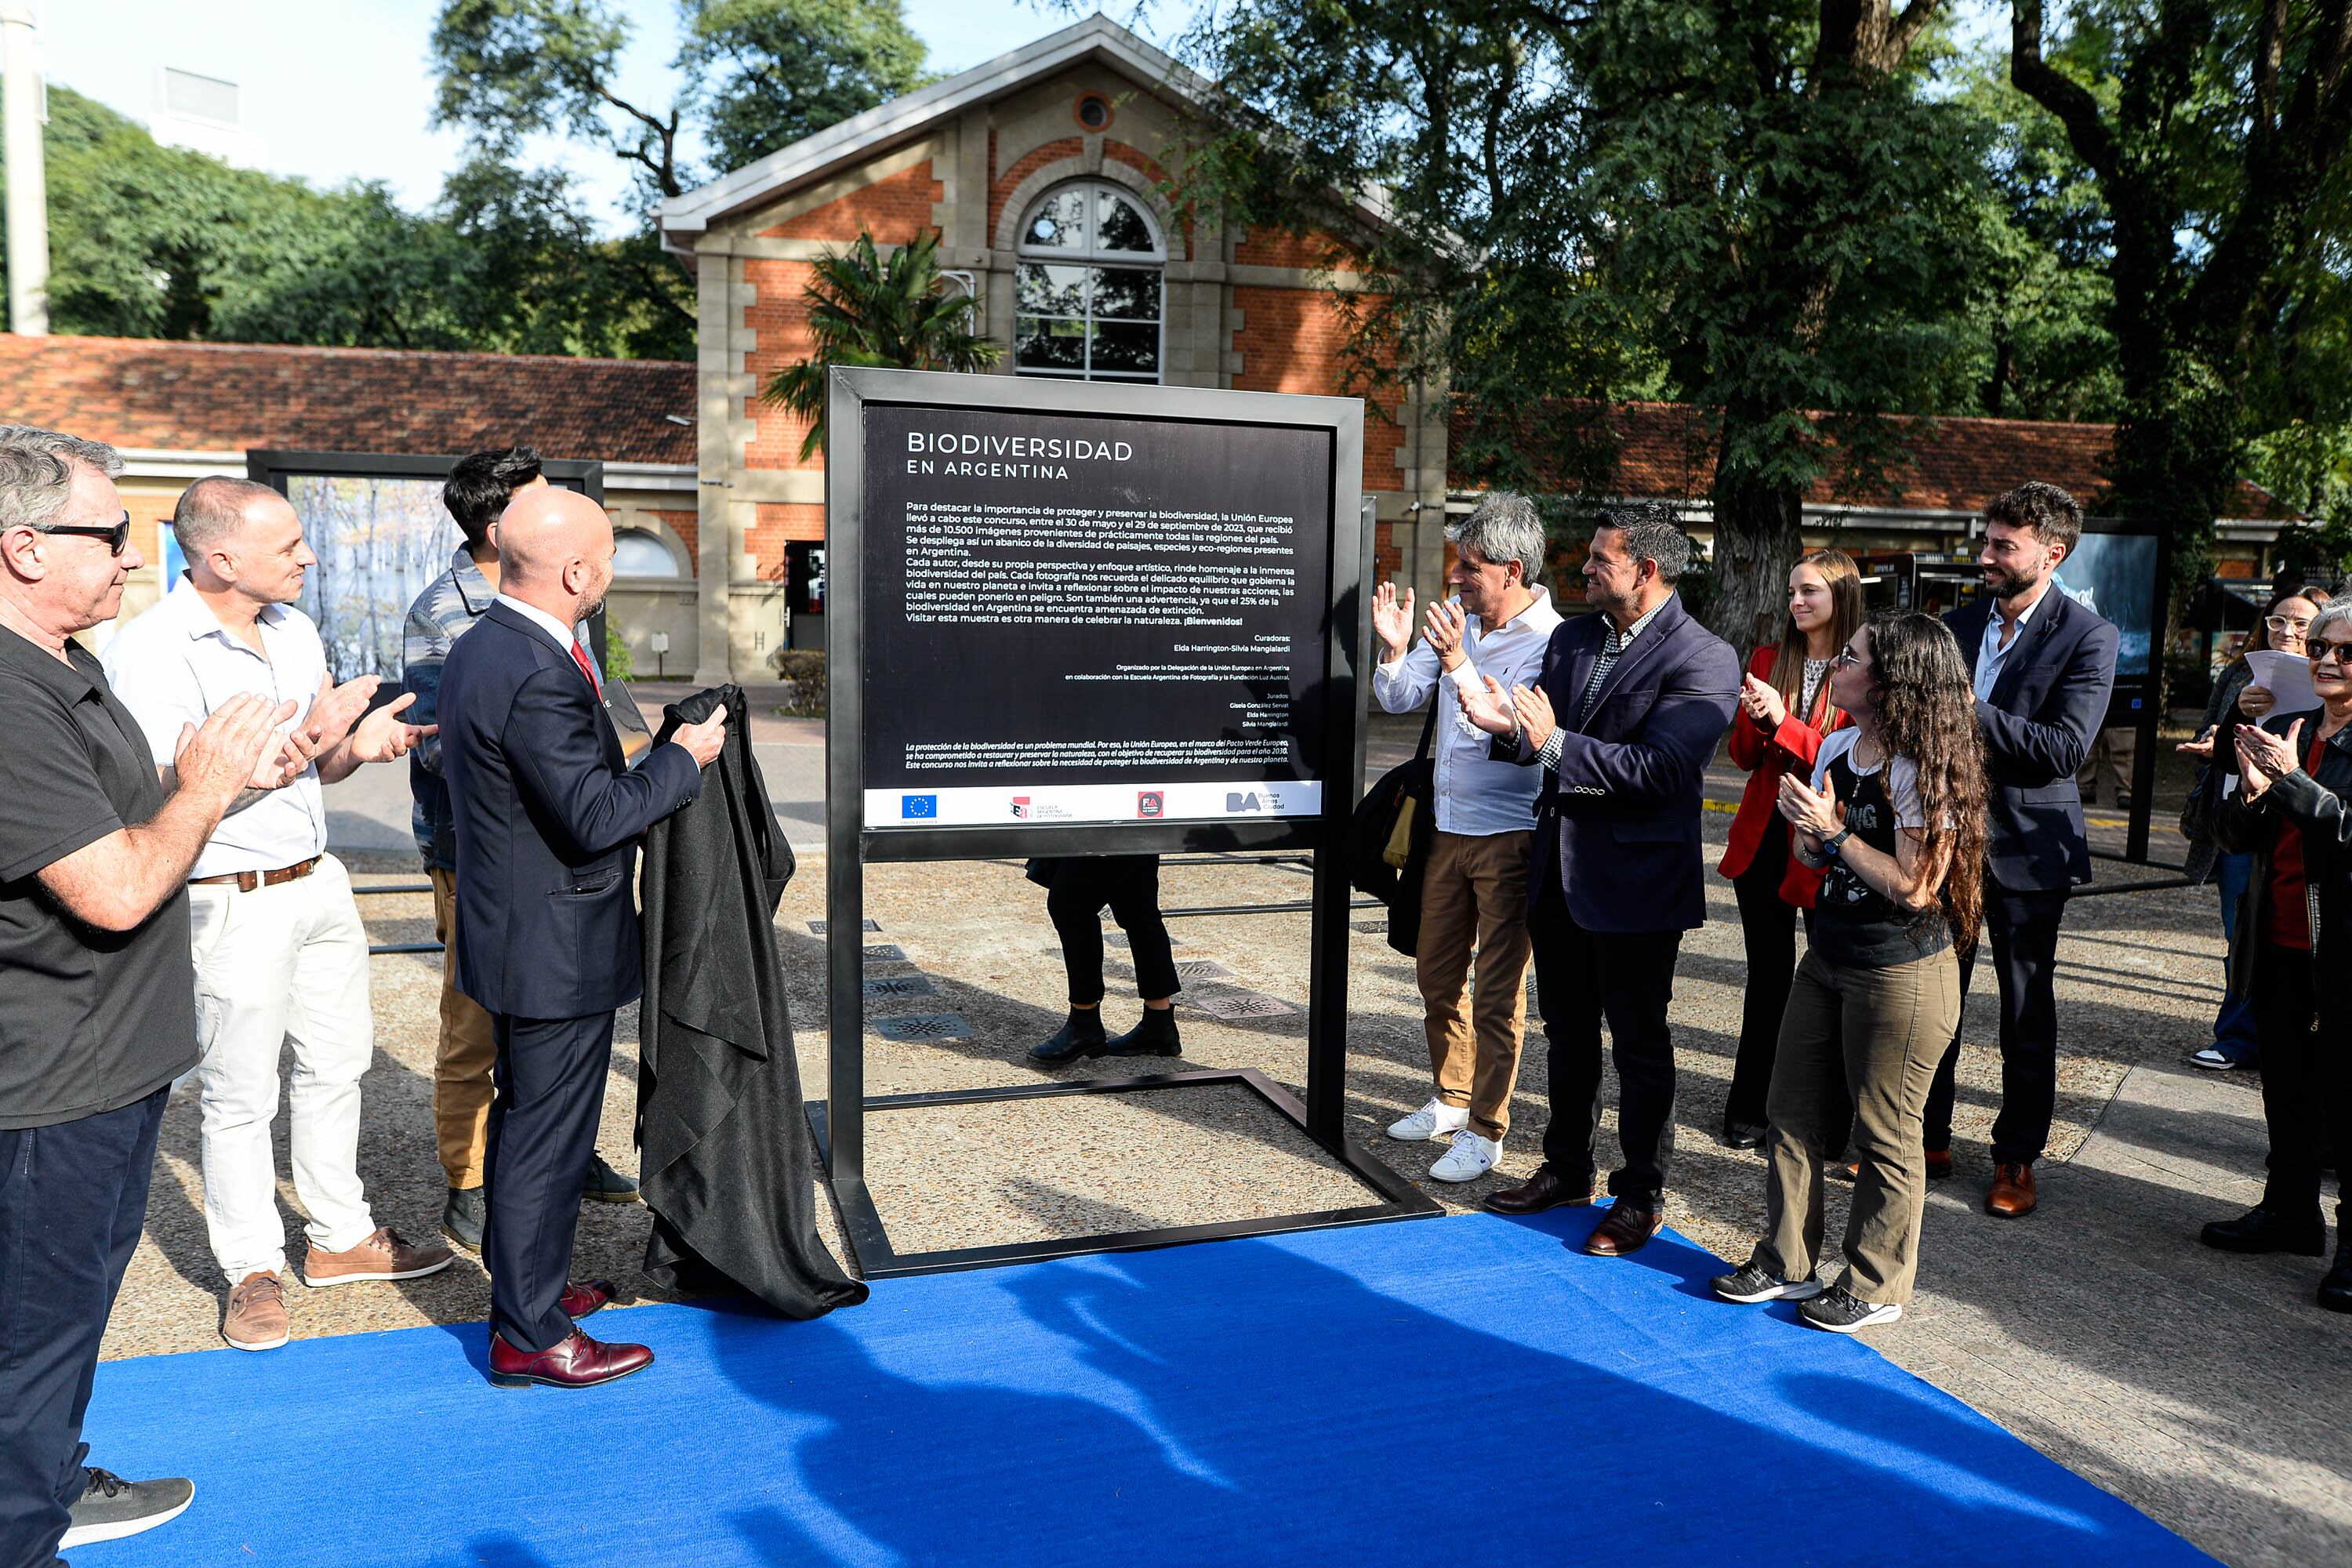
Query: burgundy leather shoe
(578, 1363)
(1544, 1190)
(1626, 1228)
(2011, 1194)
(1940, 1163)
(583, 1297)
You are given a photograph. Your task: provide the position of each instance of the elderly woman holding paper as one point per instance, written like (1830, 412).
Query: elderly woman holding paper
(2245, 687)
(2295, 936)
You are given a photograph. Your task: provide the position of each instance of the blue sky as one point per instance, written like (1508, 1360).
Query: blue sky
(339, 88)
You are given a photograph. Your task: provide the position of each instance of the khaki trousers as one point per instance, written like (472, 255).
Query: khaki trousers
(461, 1065)
(1875, 1034)
(1475, 891)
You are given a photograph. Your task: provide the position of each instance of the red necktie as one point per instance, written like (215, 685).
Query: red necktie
(580, 657)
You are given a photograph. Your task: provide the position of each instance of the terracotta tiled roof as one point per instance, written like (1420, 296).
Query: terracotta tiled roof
(1950, 465)
(184, 396)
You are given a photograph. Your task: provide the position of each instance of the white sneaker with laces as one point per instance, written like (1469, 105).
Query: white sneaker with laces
(1470, 1158)
(1431, 1122)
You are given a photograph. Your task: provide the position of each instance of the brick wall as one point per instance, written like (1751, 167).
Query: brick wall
(686, 525)
(778, 317)
(1029, 164)
(1291, 340)
(893, 210)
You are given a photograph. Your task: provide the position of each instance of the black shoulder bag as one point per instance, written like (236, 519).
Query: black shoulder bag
(1388, 839)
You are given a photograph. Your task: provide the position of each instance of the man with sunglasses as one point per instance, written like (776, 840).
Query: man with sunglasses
(280, 953)
(2044, 668)
(97, 995)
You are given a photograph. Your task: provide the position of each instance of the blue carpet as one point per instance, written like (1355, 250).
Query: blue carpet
(1465, 1389)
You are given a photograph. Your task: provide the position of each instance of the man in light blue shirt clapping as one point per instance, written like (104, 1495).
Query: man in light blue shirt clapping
(1473, 891)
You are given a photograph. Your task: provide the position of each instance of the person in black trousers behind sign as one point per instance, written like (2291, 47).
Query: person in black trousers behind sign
(1077, 888)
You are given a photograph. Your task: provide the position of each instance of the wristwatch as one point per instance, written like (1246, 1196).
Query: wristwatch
(1830, 845)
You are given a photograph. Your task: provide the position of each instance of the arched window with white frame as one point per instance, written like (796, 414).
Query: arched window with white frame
(1086, 298)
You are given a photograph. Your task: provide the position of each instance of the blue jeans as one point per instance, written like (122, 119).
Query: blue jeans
(2233, 1025)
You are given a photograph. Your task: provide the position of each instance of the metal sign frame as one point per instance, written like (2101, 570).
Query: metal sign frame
(840, 1118)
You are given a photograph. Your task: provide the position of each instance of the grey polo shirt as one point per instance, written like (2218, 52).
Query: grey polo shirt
(89, 1020)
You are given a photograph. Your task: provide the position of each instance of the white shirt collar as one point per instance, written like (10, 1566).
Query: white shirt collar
(564, 637)
(198, 618)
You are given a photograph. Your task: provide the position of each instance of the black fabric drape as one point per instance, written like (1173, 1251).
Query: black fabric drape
(728, 1164)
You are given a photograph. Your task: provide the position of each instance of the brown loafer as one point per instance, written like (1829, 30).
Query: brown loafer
(1940, 1163)
(577, 1361)
(1627, 1228)
(2011, 1194)
(583, 1297)
(1544, 1190)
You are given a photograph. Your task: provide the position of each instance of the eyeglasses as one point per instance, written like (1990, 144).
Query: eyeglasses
(2287, 623)
(1848, 657)
(117, 534)
(2320, 651)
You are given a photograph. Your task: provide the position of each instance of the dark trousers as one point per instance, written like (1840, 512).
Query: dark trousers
(72, 1200)
(550, 1074)
(1582, 978)
(1129, 884)
(1768, 925)
(2023, 931)
(2306, 1082)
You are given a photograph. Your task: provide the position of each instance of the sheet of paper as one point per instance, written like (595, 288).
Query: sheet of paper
(2285, 675)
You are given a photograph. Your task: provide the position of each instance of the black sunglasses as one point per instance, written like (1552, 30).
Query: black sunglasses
(2319, 651)
(117, 534)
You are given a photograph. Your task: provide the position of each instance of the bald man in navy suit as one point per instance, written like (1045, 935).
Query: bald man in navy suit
(548, 817)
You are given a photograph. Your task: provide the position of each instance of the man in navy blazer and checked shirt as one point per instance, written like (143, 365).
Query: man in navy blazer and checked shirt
(548, 817)
(1628, 708)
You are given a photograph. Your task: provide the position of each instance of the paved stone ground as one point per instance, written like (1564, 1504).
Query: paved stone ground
(2207, 1390)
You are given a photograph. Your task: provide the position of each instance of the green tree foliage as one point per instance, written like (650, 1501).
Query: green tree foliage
(1753, 206)
(868, 310)
(153, 241)
(760, 74)
(2217, 132)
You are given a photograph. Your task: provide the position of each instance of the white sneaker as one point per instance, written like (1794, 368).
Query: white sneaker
(1470, 1158)
(1432, 1121)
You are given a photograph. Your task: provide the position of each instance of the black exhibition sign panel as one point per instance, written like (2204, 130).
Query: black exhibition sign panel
(1077, 618)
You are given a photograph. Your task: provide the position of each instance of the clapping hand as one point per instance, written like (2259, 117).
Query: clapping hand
(236, 748)
(1443, 625)
(2263, 757)
(2202, 746)
(1488, 707)
(1393, 621)
(380, 736)
(1808, 810)
(333, 712)
(1762, 701)
(1532, 707)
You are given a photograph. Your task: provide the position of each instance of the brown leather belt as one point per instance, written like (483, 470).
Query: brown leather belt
(247, 881)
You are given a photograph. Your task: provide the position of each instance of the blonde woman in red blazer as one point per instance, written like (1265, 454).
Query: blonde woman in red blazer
(1784, 712)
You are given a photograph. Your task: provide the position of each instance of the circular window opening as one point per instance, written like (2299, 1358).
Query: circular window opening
(1093, 112)
(636, 553)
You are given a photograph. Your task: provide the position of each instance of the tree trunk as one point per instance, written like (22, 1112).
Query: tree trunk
(1757, 537)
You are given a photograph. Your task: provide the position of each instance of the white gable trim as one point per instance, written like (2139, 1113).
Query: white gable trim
(837, 146)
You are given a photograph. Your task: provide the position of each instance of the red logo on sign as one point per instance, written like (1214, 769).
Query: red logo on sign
(1020, 805)
(1150, 802)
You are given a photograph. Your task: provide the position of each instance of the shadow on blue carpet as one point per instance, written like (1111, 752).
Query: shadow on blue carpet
(1468, 1387)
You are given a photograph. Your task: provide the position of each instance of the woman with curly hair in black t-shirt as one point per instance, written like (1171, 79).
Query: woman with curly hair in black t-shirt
(1894, 818)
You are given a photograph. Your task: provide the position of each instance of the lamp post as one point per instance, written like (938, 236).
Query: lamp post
(22, 110)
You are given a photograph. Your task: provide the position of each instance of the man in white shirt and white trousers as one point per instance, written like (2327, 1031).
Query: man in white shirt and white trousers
(279, 950)
(1474, 891)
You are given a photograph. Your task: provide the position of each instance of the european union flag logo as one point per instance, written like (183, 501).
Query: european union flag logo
(913, 807)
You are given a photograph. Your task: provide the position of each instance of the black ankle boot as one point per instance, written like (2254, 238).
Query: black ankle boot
(1155, 1037)
(2265, 1229)
(1081, 1035)
(2335, 1285)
